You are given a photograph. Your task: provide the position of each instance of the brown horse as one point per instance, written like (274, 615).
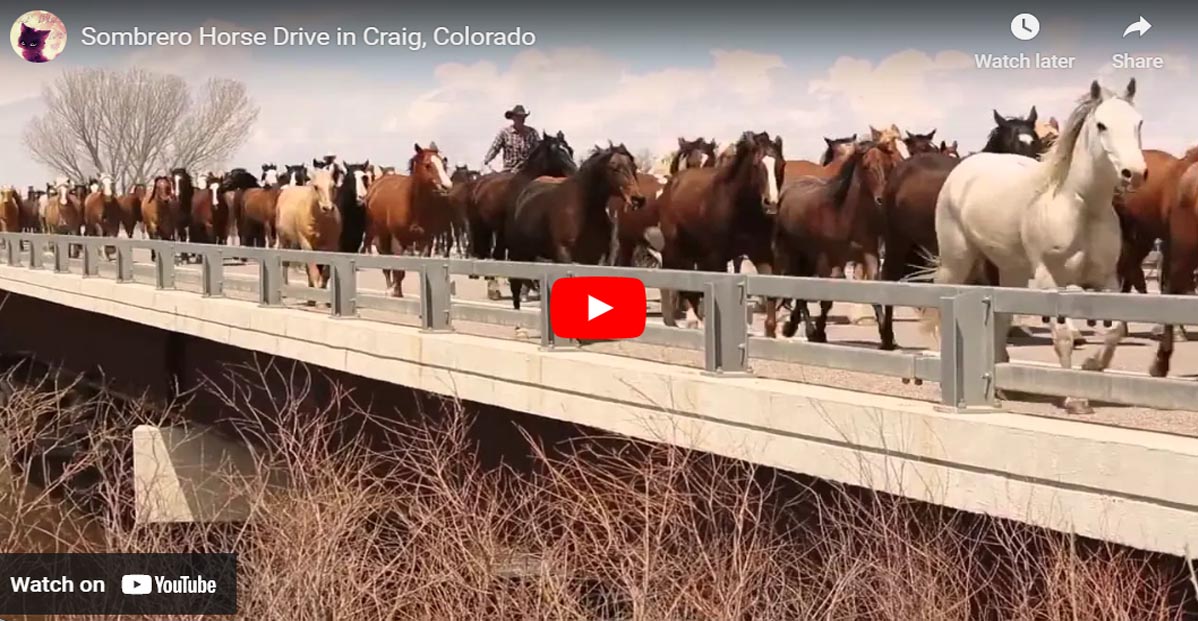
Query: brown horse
(407, 212)
(568, 220)
(209, 222)
(257, 211)
(30, 221)
(921, 143)
(158, 216)
(949, 149)
(129, 208)
(10, 209)
(1144, 216)
(459, 196)
(64, 214)
(495, 194)
(101, 213)
(1180, 249)
(710, 215)
(822, 224)
(309, 220)
(697, 153)
(837, 151)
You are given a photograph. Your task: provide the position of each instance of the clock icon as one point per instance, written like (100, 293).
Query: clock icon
(1025, 26)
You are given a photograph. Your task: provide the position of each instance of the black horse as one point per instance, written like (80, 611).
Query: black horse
(351, 201)
(1015, 135)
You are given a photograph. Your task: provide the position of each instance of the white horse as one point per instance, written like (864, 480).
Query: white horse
(1049, 221)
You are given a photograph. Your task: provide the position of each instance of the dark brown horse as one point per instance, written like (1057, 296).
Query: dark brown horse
(495, 194)
(30, 220)
(209, 221)
(101, 214)
(257, 210)
(405, 213)
(568, 220)
(129, 205)
(1180, 249)
(823, 224)
(708, 216)
(697, 153)
(463, 185)
(921, 143)
(949, 149)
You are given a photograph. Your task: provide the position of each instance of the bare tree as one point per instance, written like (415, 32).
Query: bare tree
(134, 122)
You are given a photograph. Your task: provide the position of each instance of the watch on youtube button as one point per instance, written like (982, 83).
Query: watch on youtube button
(597, 308)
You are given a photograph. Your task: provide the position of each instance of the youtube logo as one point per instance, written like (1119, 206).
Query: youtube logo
(597, 308)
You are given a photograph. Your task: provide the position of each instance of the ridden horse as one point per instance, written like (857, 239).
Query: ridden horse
(158, 210)
(1180, 249)
(351, 202)
(495, 193)
(1051, 221)
(10, 209)
(463, 184)
(129, 208)
(567, 220)
(308, 220)
(406, 212)
(1144, 216)
(921, 143)
(824, 223)
(257, 206)
(949, 149)
(909, 206)
(101, 212)
(209, 222)
(710, 215)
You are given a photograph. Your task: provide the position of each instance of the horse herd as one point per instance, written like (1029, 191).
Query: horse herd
(1073, 204)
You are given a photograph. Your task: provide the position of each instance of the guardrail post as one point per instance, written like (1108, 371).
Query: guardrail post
(212, 272)
(62, 256)
(91, 259)
(549, 340)
(124, 263)
(36, 250)
(967, 350)
(725, 334)
(270, 280)
(435, 297)
(13, 247)
(343, 296)
(164, 267)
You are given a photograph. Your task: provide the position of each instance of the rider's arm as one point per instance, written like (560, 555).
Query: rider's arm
(494, 150)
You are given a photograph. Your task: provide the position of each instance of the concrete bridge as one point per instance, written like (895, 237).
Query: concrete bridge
(917, 423)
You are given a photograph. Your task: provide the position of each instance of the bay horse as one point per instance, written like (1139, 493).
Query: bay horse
(10, 209)
(949, 149)
(708, 216)
(1144, 216)
(351, 202)
(209, 222)
(406, 212)
(463, 184)
(1180, 249)
(568, 220)
(101, 213)
(181, 204)
(909, 206)
(921, 143)
(495, 194)
(697, 153)
(157, 211)
(836, 151)
(64, 215)
(1051, 221)
(822, 224)
(309, 220)
(257, 209)
(129, 208)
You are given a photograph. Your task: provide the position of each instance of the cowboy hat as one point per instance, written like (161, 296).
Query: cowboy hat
(517, 111)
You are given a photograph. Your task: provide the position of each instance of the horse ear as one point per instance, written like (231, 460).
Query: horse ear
(560, 135)
(316, 163)
(418, 149)
(874, 132)
(1032, 116)
(681, 142)
(1052, 122)
(932, 136)
(1130, 93)
(827, 141)
(909, 136)
(943, 147)
(778, 144)
(1095, 90)
(954, 144)
(999, 119)
(853, 138)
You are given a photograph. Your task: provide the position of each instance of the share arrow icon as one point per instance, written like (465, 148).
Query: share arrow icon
(1139, 27)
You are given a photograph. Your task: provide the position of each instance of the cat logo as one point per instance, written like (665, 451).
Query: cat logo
(38, 36)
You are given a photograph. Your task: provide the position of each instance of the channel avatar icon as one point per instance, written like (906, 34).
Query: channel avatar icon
(38, 36)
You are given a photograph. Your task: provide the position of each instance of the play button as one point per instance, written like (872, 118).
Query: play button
(596, 307)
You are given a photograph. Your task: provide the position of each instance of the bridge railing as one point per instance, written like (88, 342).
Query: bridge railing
(965, 366)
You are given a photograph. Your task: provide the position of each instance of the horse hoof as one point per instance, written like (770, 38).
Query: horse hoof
(1078, 339)
(1077, 406)
(1158, 369)
(817, 337)
(1092, 365)
(888, 346)
(494, 296)
(521, 333)
(789, 328)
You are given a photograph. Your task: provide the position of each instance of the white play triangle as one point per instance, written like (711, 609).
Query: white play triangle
(595, 307)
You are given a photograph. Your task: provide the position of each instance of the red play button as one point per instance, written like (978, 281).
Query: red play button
(595, 308)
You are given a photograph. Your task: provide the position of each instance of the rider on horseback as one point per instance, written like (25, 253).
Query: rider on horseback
(517, 140)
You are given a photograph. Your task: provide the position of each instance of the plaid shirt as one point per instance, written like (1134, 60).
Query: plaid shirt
(516, 145)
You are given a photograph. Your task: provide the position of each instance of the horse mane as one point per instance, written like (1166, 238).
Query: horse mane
(844, 179)
(1059, 158)
(741, 149)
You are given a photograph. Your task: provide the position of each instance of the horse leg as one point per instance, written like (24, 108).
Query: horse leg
(770, 310)
(824, 270)
(1179, 258)
(1062, 342)
(894, 269)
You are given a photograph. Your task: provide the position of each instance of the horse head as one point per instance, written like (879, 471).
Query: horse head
(322, 181)
(877, 160)
(838, 149)
(890, 138)
(552, 156)
(428, 166)
(949, 149)
(1111, 132)
(362, 178)
(106, 185)
(463, 174)
(270, 175)
(698, 153)
(296, 174)
(921, 143)
(760, 158)
(615, 169)
(1015, 135)
(164, 188)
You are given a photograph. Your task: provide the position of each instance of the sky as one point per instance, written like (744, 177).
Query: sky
(630, 72)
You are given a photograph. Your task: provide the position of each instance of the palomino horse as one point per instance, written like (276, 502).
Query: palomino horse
(495, 193)
(710, 215)
(463, 184)
(129, 208)
(257, 207)
(406, 212)
(909, 205)
(567, 220)
(10, 209)
(351, 202)
(921, 143)
(1144, 216)
(308, 220)
(822, 224)
(209, 222)
(157, 211)
(1180, 250)
(1053, 220)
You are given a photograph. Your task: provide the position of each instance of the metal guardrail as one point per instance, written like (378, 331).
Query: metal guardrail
(965, 367)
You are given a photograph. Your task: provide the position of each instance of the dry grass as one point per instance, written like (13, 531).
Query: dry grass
(395, 517)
